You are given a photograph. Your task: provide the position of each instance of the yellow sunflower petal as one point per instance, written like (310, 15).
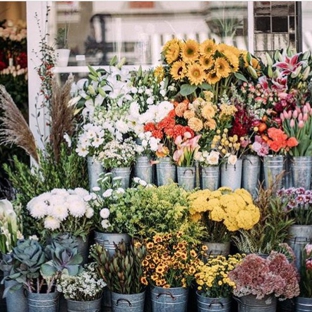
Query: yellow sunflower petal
(190, 50)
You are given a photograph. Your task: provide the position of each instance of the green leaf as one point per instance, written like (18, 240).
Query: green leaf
(187, 89)
(240, 77)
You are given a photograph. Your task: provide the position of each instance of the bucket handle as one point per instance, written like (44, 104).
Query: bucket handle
(123, 299)
(167, 294)
(186, 170)
(216, 302)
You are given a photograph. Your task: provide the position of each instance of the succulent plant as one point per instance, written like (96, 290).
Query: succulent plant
(123, 271)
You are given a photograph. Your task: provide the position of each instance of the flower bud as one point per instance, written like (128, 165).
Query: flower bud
(301, 124)
(296, 72)
(295, 114)
(305, 117)
(292, 123)
(270, 72)
(282, 117)
(252, 72)
(306, 73)
(269, 59)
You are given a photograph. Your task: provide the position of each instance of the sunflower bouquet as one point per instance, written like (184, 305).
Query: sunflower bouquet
(223, 212)
(205, 66)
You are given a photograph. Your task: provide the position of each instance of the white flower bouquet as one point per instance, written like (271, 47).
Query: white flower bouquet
(86, 286)
(118, 154)
(61, 210)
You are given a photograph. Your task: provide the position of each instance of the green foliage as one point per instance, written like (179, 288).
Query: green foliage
(70, 172)
(123, 271)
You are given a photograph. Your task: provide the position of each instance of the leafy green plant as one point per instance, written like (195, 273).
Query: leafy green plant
(123, 271)
(61, 39)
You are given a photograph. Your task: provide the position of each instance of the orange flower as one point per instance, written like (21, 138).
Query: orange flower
(292, 142)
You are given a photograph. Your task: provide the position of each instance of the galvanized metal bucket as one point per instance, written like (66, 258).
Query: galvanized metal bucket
(169, 299)
(166, 172)
(84, 306)
(43, 302)
(186, 177)
(143, 169)
(216, 249)
(251, 304)
(129, 303)
(272, 167)
(251, 174)
(16, 300)
(205, 304)
(301, 168)
(209, 177)
(303, 304)
(95, 168)
(231, 175)
(123, 174)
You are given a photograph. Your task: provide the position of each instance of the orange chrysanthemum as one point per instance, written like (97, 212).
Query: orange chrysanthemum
(178, 70)
(190, 50)
(207, 48)
(188, 114)
(195, 74)
(210, 124)
(222, 67)
(195, 124)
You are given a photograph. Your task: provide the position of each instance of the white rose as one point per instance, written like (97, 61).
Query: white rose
(232, 159)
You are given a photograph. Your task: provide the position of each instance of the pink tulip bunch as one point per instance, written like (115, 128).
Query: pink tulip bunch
(298, 123)
(187, 147)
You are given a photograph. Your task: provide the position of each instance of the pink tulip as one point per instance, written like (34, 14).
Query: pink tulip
(295, 114)
(300, 124)
(287, 115)
(282, 117)
(300, 117)
(292, 123)
(305, 117)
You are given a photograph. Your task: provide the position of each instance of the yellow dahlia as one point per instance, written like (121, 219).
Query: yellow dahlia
(190, 50)
(195, 124)
(212, 77)
(207, 48)
(178, 70)
(222, 67)
(195, 74)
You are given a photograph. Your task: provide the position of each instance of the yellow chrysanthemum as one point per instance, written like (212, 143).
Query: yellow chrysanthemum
(222, 67)
(195, 124)
(208, 111)
(212, 77)
(190, 50)
(195, 74)
(159, 73)
(178, 70)
(207, 47)
(206, 62)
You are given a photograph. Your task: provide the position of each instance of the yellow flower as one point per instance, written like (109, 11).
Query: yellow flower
(222, 67)
(178, 70)
(195, 74)
(195, 124)
(189, 114)
(210, 124)
(206, 62)
(212, 77)
(159, 73)
(172, 50)
(207, 47)
(208, 111)
(189, 50)
(233, 60)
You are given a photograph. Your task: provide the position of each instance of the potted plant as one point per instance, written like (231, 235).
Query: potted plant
(272, 227)
(304, 300)
(61, 211)
(82, 291)
(222, 213)
(37, 269)
(168, 268)
(260, 280)
(123, 273)
(62, 51)
(214, 288)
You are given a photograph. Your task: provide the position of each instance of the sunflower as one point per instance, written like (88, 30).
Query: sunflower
(206, 62)
(222, 67)
(233, 60)
(212, 77)
(159, 73)
(207, 48)
(172, 51)
(178, 70)
(196, 74)
(190, 50)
